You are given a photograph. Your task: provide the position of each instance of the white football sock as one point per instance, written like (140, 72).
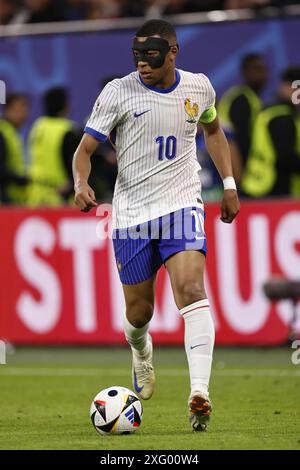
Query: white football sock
(136, 337)
(199, 340)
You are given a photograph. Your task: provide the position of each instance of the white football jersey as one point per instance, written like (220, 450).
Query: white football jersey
(158, 171)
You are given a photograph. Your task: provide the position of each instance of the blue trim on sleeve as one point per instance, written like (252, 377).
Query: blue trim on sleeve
(95, 134)
(163, 90)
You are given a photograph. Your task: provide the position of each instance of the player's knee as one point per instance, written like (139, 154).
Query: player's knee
(139, 312)
(190, 292)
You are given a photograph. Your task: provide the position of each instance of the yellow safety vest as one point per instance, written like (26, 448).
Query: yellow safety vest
(228, 98)
(14, 161)
(47, 169)
(260, 174)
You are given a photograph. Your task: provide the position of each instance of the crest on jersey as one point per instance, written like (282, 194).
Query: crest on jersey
(191, 110)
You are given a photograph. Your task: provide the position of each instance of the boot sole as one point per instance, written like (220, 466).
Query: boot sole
(200, 411)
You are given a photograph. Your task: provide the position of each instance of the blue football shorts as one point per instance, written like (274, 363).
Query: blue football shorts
(140, 250)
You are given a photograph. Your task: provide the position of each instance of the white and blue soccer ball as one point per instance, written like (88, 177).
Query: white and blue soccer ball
(116, 410)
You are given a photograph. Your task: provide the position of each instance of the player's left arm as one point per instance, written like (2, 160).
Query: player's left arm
(218, 149)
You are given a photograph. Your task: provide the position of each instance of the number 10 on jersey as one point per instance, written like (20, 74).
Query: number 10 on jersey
(166, 147)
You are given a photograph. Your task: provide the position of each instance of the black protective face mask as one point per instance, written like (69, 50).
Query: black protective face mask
(151, 44)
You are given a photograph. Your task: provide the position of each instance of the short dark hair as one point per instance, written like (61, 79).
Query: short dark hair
(160, 27)
(13, 97)
(291, 74)
(55, 100)
(248, 59)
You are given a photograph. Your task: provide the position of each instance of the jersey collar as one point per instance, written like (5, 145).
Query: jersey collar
(163, 90)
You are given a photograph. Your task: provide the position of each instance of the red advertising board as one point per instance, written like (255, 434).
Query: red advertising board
(59, 283)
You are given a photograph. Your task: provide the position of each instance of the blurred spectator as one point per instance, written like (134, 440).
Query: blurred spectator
(76, 9)
(98, 9)
(256, 4)
(154, 8)
(238, 4)
(52, 142)
(188, 6)
(12, 167)
(41, 11)
(283, 3)
(273, 167)
(240, 105)
(148, 8)
(9, 10)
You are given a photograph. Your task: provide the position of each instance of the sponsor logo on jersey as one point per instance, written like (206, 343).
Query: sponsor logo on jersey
(140, 114)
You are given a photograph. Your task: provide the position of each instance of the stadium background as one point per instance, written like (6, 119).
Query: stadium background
(54, 289)
(59, 287)
(82, 61)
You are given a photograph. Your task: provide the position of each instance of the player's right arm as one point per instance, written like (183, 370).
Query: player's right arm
(84, 194)
(103, 119)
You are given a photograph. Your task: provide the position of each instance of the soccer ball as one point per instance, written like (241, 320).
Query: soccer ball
(116, 410)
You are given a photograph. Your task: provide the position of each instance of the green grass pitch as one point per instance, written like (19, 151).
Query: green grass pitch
(45, 395)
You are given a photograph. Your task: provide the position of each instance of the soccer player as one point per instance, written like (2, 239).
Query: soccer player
(155, 111)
